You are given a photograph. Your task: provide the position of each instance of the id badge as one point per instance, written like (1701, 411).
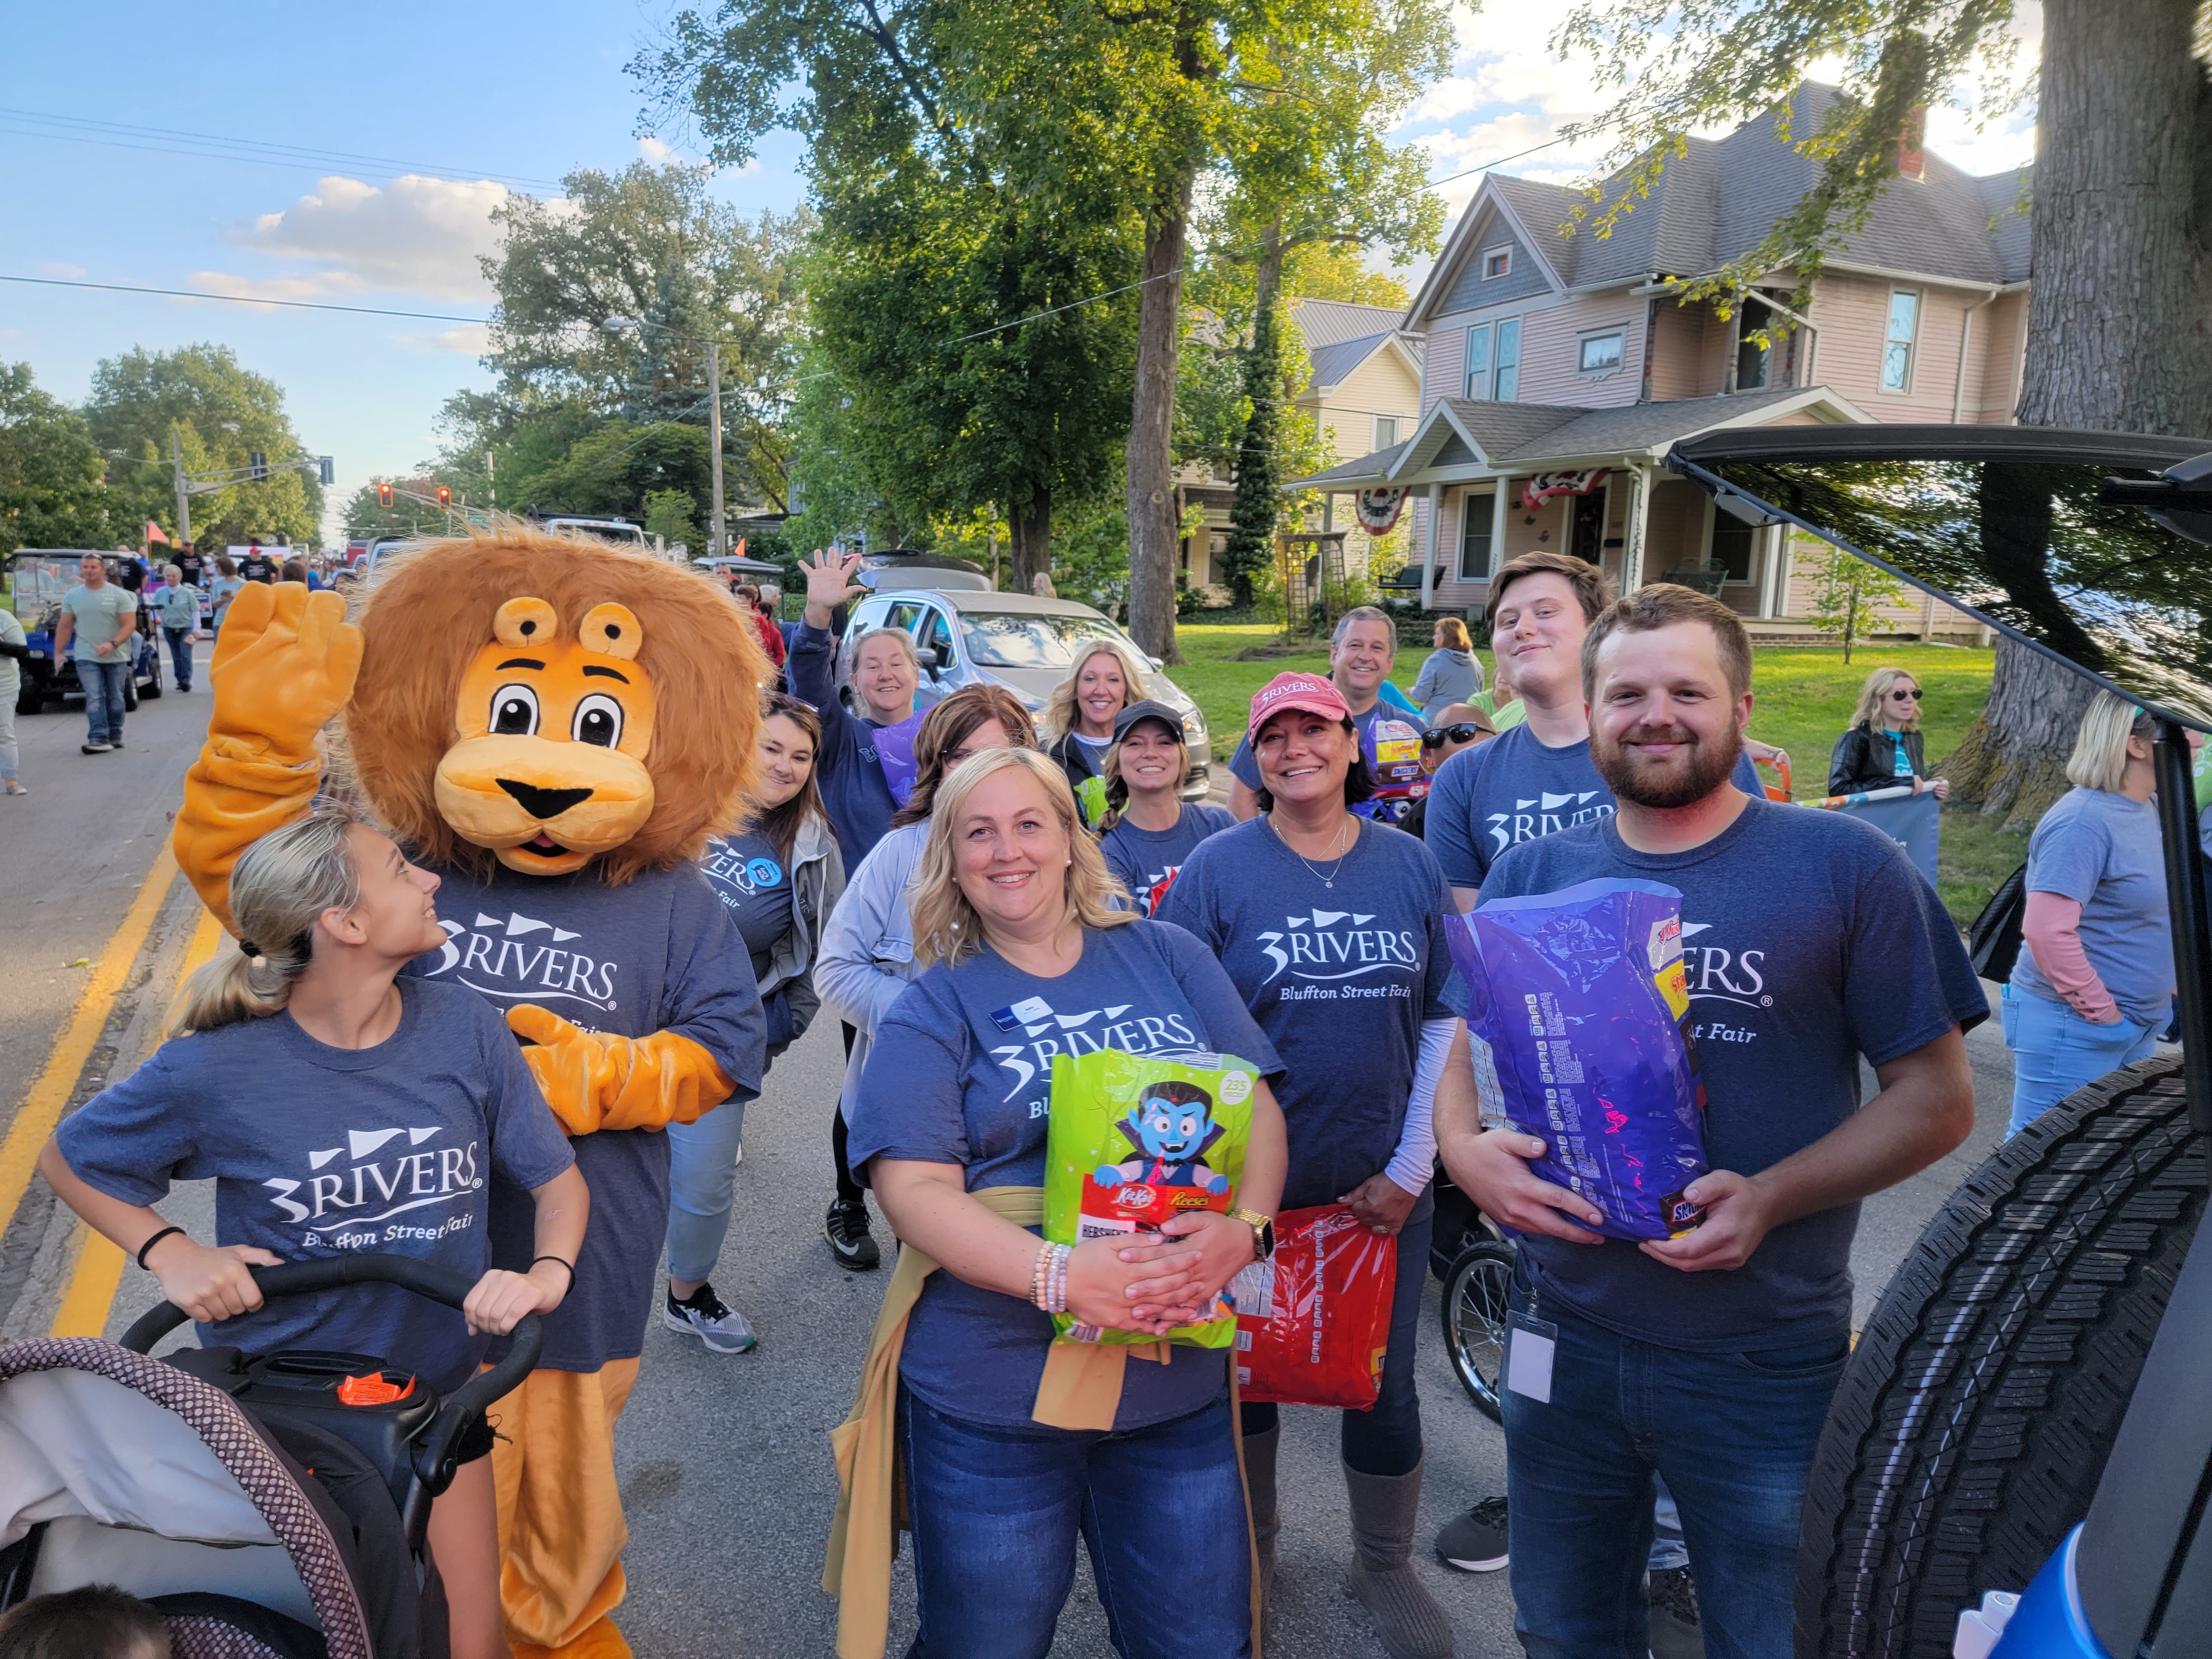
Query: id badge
(1528, 1351)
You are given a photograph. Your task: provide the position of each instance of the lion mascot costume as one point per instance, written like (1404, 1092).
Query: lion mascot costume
(555, 729)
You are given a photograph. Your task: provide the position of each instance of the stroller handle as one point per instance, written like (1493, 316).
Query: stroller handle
(434, 1455)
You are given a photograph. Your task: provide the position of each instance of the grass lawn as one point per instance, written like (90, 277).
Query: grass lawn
(1802, 698)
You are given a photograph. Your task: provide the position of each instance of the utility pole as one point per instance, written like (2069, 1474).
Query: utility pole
(184, 497)
(715, 541)
(492, 474)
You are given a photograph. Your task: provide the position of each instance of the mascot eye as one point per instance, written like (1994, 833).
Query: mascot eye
(599, 721)
(514, 710)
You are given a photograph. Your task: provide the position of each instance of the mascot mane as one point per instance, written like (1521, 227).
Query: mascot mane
(430, 611)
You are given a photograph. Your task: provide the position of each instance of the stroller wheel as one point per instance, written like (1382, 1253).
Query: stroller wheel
(1474, 1319)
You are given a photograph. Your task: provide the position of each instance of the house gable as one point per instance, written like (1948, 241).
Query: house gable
(1456, 281)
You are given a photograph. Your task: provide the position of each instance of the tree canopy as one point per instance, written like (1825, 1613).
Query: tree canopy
(53, 491)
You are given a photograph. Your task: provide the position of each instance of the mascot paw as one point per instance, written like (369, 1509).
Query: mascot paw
(575, 1071)
(286, 664)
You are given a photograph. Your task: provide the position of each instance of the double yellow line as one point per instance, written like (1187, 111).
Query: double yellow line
(99, 1268)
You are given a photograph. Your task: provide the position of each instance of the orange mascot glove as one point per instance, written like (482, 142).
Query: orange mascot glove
(285, 664)
(593, 1081)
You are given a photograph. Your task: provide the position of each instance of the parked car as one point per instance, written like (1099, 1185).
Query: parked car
(37, 579)
(966, 633)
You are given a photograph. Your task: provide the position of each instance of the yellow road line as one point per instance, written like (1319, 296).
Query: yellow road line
(42, 1106)
(99, 1270)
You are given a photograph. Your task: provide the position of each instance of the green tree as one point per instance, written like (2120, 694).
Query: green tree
(221, 413)
(53, 492)
(1846, 595)
(668, 515)
(1327, 270)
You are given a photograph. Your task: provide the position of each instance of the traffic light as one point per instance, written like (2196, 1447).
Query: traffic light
(328, 470)
(445, 497)
(259, 463)
(384, 494)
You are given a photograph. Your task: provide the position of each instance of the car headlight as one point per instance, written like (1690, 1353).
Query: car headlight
(1194, 726)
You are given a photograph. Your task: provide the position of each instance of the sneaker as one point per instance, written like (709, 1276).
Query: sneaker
(15, 787)
(1673, 1630)
(724, 1330)
(846, 1227)
(99, 748)
(1476, 1541)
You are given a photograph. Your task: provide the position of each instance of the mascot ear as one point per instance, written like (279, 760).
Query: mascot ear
(525, 621)
(610, 630)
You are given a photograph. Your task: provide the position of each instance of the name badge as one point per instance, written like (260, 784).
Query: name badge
(1528, 1351)
(1027, 1012)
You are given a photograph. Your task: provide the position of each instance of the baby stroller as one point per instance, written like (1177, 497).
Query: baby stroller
(270, 1507)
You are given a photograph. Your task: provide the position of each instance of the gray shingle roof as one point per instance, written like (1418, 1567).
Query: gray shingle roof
(1606, 431)
(1331, 364)
(1332, 322)
(1358, 471)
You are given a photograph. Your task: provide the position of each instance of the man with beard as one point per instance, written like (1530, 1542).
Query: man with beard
(1809, 940)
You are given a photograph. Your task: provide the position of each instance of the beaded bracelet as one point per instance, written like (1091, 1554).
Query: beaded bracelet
(1048, 1279)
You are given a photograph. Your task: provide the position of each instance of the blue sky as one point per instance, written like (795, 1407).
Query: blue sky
(461, 101)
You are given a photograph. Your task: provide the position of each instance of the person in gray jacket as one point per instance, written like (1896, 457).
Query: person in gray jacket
(867, 949)
(779, 877)
(1452, 673)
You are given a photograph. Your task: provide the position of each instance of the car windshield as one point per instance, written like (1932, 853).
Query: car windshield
(1016, 639)
(42, 581)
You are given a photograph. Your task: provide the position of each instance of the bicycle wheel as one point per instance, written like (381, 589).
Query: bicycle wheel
(1474, 1320)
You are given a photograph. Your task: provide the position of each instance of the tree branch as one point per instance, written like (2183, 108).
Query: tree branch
(923, 101)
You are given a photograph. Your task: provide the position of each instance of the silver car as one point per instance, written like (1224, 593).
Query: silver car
(972, 635)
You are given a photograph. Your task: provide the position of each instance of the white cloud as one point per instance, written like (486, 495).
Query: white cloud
(415, 234)
(652, 149)
(470, 339)
(56, 269)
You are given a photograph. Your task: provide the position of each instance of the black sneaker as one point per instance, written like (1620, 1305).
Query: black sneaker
(1476, 1541)
(846, 1227)
(723, 1329)
(95, 746)
(1673, 1630)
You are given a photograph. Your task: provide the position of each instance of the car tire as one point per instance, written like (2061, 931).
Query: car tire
(1474, 1310)
(153, 686)
(129, 692)
(1981, 1403)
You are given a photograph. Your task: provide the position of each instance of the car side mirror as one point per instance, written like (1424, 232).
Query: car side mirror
(1158, 664)
(927, 656)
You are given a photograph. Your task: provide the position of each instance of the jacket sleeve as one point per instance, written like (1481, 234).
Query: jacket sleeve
(812, 681)
(847, 978)
(1424, 682)
(1848, 764)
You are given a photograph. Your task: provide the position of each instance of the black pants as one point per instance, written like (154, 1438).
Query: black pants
(849, 1191)
(1386, 1438)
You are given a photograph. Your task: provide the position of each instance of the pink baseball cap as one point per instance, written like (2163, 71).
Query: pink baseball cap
(1309, 692)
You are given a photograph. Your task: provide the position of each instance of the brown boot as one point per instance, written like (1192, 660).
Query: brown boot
(1385, 1510)
(1259, 1451)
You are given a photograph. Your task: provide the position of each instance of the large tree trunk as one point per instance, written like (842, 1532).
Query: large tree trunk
(2119, 316)
(1031, 524)
(1151, 427)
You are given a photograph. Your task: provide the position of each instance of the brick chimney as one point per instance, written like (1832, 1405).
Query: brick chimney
(1911, 158)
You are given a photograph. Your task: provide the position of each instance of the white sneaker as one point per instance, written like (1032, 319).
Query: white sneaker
(15, 787)
(724, 1330)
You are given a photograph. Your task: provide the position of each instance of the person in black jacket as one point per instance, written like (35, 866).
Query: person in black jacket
(1883, 747)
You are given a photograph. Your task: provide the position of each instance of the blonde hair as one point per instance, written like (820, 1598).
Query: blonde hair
(1060, 715)
(1876, 689)
(946, 928)
(2099, 760)
(279, 888)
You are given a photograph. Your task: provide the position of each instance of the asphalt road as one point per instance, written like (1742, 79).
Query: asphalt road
(724, 1461)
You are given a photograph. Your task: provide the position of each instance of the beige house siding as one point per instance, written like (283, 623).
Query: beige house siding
(1852, 313)
(1444, 362)
(1993, 388)
(1678, 353)
(1380, 385)
(1551, 339)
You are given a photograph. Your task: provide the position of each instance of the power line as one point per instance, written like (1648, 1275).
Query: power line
(241, 299)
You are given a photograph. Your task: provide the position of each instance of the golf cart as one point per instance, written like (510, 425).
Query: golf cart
(2018, 1457)
(37, 579)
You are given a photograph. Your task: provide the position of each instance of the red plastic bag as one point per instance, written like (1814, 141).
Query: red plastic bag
(1313, 1322)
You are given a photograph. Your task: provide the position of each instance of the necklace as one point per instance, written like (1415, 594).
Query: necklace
(1328, 880)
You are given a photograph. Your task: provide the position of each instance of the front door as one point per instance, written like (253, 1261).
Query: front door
(1586, 526)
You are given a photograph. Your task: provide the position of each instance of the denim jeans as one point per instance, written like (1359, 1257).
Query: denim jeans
(702, 1185)
(1385, 1439)
(9, 760)
(2055, 1051)
(180, 656)
(995, 1512)
(1733, 1434)
(105, 684)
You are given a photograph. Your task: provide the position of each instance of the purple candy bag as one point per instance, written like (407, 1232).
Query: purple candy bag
(1579, 1018)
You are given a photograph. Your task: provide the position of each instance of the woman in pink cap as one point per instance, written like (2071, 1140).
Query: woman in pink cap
(1331, 926)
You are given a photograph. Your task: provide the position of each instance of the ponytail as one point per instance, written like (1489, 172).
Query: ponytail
(279, 888)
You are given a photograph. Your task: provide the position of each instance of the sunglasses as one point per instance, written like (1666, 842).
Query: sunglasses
(1903, 695)
(1463, 732)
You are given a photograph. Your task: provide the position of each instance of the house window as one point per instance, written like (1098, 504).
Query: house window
(1475, 516)
(1478, 362)
(1386, 431)
(1601, 354)
(1731, 546)
(1497, 262)
(1897, 341)
(1505, 379)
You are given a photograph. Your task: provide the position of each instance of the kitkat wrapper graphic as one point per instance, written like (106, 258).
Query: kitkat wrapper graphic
(1093, 1095)
(1579, 1018)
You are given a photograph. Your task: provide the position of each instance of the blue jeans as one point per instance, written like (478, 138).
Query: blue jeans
(2055, 1051)
(180, 656)
(702, 1186)
(1733, 1434)
(105, 684)
(995, 1512)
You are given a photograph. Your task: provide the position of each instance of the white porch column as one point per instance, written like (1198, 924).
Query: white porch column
(1498, 508)
(1639, 521)
(1429, 545)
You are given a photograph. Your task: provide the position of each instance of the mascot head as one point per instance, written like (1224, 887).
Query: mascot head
(547, 702)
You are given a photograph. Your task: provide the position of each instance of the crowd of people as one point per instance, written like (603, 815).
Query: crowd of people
(962, 894)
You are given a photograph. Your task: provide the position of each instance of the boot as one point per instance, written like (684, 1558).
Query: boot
(1385, 1510)
(1267, 1521)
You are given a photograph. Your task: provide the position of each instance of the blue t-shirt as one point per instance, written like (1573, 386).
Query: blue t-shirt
(99, 613)
(1142, 858)
(850, 775)
(1513, 788)
(657, 954)
(748, 876)
(315, 1151)
(1390, 736)
(1339, 976)
(1808, 939)
(2102, 851)
(955, 1077)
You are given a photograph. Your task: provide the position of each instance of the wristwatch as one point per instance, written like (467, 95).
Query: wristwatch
(1263, 1232)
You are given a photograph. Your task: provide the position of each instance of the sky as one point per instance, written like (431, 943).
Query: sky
(421, 119)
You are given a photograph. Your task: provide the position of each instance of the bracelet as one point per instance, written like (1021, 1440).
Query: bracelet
(570, 1265)
(152, 1242)
(1048, 1279)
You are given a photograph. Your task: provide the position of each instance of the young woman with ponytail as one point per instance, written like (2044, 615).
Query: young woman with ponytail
(337, 1106)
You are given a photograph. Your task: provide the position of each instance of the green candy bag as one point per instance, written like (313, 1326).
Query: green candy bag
(1136, 1139)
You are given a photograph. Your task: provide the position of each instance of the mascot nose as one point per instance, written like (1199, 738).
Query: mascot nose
(543, 803)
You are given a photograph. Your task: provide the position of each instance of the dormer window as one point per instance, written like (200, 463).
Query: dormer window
(1497, 262)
